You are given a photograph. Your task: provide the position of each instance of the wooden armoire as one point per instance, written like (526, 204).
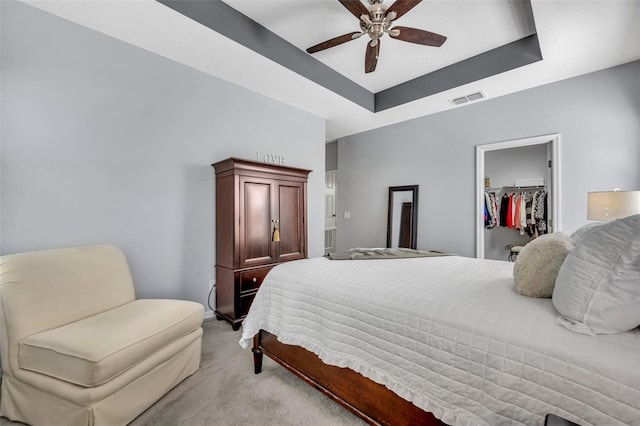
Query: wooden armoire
(261, 221)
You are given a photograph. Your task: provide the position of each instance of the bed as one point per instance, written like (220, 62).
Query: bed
(439, 340)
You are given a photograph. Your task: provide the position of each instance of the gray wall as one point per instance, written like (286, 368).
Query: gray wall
(104, 142)
(331, 154)
(597, 116)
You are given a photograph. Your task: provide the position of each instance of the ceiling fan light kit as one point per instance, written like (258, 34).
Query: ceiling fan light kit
(375, 22)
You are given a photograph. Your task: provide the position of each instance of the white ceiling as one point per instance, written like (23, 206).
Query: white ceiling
(471, 28)
(576, 37)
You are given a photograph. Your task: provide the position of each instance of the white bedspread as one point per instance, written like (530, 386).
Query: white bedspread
(451, 335)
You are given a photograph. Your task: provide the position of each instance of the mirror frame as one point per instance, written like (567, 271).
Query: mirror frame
(414, 213)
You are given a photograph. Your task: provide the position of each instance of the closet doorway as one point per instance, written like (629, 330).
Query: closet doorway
(522, 165)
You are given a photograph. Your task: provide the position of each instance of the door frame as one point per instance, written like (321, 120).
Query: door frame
(554, 139)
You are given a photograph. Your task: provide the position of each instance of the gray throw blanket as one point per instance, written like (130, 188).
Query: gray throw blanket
(384, 253)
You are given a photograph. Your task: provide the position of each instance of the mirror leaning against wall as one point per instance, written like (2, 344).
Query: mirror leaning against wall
(402, 221)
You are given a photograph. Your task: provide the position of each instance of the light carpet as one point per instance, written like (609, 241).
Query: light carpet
(225, 391)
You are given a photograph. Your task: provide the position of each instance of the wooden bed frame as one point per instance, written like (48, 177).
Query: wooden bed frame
(372, 402)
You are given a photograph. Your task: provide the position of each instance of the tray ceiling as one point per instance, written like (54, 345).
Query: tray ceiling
(493, 46)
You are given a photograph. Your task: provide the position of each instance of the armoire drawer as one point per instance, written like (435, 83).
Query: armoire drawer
(252, 279)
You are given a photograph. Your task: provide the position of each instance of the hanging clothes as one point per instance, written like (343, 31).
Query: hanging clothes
(510, 214)
(540, 213)
(521, 210)
(504, 209)
(516, 211)
(491, 210)
(487, 221)
(529, 214)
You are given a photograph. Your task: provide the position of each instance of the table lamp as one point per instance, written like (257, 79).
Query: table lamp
(610, 205)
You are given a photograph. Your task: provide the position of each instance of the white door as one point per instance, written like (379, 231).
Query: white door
(330, 224)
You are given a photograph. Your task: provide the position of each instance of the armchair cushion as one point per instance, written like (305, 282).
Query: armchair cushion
(94, 350)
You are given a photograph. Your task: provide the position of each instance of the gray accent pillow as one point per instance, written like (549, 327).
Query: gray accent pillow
(537, 265)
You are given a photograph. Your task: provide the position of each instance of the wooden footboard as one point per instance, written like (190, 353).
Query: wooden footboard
(370, 401)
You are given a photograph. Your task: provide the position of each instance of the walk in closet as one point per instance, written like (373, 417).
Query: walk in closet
(517, 205)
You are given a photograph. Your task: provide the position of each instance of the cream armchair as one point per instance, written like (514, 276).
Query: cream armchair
(78, 349)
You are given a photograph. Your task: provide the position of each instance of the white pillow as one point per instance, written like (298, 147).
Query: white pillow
(581, 232)
(598, 286)
(537, 265)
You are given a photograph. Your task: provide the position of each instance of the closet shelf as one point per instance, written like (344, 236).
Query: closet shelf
(515, 188)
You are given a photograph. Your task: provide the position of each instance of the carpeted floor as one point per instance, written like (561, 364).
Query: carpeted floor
(225, 391)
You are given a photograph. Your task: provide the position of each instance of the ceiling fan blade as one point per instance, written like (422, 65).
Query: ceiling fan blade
(400, 7)
(413, 35)
(371, 57)
(333, 42)
(355, 7)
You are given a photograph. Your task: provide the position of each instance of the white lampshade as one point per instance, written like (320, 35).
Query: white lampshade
(610, 205)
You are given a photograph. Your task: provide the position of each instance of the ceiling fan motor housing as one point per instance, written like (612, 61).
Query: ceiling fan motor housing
(377, 22)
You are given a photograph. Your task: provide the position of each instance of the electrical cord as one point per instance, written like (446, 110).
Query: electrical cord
(209, 297)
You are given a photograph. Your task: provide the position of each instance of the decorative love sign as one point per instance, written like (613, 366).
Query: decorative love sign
(270, 158)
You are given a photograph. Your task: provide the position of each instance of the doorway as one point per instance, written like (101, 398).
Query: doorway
(330, 223)
(548, 143)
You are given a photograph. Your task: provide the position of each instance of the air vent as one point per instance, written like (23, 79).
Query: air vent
(475, 96)
(468, 98)
(458, 101)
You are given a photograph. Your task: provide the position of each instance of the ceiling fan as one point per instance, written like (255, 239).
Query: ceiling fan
(376, 21)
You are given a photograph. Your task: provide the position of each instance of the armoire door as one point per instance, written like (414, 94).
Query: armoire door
(256, 202)
(291, 205)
